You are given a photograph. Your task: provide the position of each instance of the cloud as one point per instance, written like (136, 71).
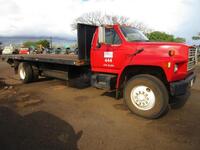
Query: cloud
(8, 7)
(53, 17)
(191, 24)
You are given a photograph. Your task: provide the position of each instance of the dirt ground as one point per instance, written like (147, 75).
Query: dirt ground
(49, 115)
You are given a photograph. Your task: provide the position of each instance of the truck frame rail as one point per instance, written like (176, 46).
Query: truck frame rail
(48, 58)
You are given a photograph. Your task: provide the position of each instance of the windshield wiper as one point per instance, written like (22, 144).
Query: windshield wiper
(140, 41)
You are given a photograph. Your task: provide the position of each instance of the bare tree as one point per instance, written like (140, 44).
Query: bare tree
(97, 18)
(141, 26)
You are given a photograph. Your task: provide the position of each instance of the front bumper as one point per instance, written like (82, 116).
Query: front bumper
(180, 87)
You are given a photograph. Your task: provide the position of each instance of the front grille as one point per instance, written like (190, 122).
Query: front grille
(192, 58)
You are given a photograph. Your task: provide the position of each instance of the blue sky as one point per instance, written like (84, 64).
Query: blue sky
(54, 17)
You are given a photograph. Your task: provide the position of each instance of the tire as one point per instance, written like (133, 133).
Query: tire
(25, 72)
(35, 73)
(146, 96)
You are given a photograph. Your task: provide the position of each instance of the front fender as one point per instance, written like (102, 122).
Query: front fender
(165, 63)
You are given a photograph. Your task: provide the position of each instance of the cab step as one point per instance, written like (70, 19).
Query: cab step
(104, 81)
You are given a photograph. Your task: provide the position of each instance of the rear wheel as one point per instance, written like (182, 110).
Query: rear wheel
(25, 72)
(146, 96)
(35, 73)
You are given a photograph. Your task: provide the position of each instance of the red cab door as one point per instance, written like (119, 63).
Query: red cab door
(110, 56)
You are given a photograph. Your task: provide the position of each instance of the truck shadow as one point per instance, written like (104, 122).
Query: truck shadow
(112, 94)
(78, 84)
(179, 101)
(36, 131)
(109, 94)
(42, 79)
(2, 83)
(175, 102)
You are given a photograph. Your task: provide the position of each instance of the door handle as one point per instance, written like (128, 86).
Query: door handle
(137, 51)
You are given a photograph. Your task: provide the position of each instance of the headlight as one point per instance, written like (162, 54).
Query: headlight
(175, 68)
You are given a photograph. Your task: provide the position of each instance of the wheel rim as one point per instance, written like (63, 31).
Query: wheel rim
(22, 73)
(143, 97)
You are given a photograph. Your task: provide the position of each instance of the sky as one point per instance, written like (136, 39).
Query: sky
(54, 17)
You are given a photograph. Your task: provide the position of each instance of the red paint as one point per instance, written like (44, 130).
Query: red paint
(24, 51)
(154, 54)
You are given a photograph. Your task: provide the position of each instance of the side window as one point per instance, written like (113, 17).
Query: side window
(112, 37)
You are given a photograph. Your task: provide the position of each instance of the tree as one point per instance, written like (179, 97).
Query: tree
(29, 44)
(160, 36)
(43, 43)
(97, 18)
(196, 37)
(179, 40)
(163, 37)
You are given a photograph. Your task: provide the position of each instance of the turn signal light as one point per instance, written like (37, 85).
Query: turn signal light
(168, 64)
(171, 52)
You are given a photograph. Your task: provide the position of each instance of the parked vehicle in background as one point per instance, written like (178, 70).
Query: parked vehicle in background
(63, 51)
(56, 51)
(24, 50)
(9, 50)
(121, 59)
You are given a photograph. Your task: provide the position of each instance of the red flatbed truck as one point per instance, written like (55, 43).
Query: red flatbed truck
(119, 58)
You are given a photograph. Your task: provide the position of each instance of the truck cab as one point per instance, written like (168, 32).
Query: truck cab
(123, 56)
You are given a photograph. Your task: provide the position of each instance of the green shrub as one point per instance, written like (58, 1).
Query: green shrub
(44, 43)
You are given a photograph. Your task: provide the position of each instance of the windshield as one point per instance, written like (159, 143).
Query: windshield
(132, 34)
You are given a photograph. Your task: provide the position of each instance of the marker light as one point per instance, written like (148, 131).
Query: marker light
(171, 53)
(168, 65)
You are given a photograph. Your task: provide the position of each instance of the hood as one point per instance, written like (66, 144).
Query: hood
(162, 48)
(164, 43)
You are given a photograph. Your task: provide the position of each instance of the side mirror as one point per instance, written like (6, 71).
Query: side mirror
(101, 35)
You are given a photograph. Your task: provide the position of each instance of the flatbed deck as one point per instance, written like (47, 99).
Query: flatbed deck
(66, 59)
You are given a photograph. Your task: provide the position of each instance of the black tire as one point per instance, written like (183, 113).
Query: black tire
(35, 73)
(160, 93)
(28, 72)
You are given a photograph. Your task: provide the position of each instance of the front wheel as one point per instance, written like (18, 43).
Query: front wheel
(146, 96)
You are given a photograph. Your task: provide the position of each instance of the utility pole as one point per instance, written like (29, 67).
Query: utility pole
(51, 42)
